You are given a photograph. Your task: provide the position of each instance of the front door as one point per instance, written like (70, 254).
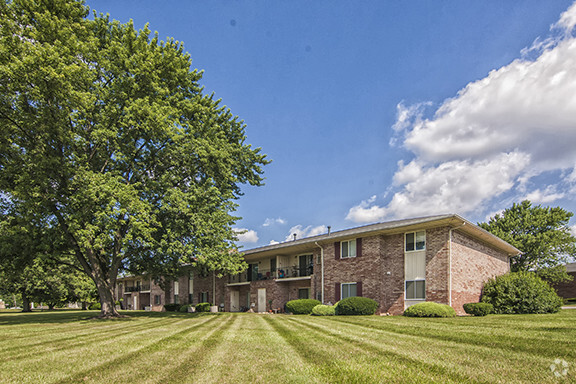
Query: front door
(261, 299)
(234, 301)
(135, 303)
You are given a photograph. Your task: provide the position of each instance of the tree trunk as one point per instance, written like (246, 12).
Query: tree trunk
(84, 306)
(25, 303)
(108, 308)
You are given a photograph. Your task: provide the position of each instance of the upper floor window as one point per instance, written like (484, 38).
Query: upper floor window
(415, 241)
(348, 249)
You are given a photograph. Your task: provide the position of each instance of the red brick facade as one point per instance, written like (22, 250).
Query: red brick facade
(458, 261)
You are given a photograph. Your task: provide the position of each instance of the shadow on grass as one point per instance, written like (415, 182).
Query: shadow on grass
(68, 316)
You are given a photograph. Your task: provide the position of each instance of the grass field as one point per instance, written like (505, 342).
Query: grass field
(70, 347)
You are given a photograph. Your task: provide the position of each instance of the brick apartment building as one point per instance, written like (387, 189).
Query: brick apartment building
(445, 259)
(567, 290)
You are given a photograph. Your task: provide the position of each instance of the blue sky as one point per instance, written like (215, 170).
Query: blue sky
(380, 110)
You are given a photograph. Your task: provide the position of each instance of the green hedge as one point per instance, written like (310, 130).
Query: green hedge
(521, 292)
(95, 306)
(203, 307)
(478, 309)
(356, 306)
(301, 306)
(172, 307)
(323, 310)
(430, 309)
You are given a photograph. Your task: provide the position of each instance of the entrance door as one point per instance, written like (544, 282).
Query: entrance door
(135, 302)
(261, 299)
(234, 301)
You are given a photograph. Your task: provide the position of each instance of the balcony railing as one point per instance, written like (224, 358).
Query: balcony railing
(266, 274)
(139, 288)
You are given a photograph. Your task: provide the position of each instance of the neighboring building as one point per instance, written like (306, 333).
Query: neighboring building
(567, 290)
(445, 259)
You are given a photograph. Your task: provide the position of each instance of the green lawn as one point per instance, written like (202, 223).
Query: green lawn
(70, 347)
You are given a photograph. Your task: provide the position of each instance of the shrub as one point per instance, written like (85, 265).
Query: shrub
(172, 307)
(323, 310)
(430, 309)
(478, 309)
(184, 308)
(301, 306)
(356, 306)
(203, 307)
(95, 306)
(521, 292)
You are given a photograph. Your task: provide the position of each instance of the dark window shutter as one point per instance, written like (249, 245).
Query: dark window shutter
(337, 250)
(337, 292)
(359, 247)
(359, 288)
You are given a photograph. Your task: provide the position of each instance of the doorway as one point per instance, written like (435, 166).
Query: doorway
(261, 299)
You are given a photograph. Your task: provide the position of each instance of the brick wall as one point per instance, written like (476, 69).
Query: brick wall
(567, 290)
(473, 263)
(391, 296)
(437, 265)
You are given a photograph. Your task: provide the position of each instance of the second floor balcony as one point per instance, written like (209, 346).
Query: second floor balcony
(256, 274)
(138, 288)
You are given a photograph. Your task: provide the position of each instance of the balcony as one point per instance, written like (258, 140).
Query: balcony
(266, 274)
(138, 288)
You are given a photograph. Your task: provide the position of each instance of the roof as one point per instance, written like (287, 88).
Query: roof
(571, 267)
(389, 227)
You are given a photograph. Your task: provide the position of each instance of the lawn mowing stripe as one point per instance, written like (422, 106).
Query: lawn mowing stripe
(85, 335)
(433, 371)
(475, 359)
(530, 345)
(137, 353)
(194, 358)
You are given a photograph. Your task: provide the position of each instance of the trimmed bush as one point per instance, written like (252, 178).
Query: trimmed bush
(301, 306)
(478, 309)
(95, 306)
(356, 306)
(521, 292)
(172, 307)
(323, 310)
(430, 309)
(184, 308)
(203, 307)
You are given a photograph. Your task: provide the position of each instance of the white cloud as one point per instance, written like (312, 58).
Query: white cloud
(273, 242)
(246, 235)
(573, 230)
(493, 137)
(269, 221)
(302, 232)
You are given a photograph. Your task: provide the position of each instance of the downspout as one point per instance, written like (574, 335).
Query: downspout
(321, 272)
(450, 262)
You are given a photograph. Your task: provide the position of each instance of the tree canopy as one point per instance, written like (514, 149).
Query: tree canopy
(107, 138)
(542, 234)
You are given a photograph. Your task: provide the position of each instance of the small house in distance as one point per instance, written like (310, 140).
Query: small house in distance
(445, 259)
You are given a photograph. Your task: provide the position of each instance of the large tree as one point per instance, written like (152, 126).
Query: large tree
(542, 234)
(106, 135)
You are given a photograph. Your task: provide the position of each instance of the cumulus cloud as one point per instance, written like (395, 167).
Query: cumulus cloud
(302, 232)
(246, 235)
(273, 242)
(493, 137)
(270, 221)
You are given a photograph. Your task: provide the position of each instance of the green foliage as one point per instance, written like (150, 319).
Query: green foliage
(185, 307)
(203, 307)
(323, 310)
(172, 307)
(95, 306)
(478, 309)
(521, 292)
(542, 234)
(301, 306)
(356, 306)
(108, 141)
(430, 309)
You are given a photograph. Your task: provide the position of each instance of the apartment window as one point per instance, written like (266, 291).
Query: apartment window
(348, 290)
(347, 249)
(190, 287)
(415, 289)
(303, 293)
(203, 297)
(415, 241)
(157, 299)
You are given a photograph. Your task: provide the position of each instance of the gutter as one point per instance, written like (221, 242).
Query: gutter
(322, 272)
(450, 262)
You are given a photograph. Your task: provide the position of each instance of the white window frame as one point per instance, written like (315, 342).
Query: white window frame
(415, 233)
(348, 247)
(406, 289)
(355, 284)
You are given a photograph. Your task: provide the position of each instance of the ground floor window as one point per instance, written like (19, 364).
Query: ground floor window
(203, 297)
(303, 293)
(157, 300)
(348, 290)
(176, 299)
(415, 289)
